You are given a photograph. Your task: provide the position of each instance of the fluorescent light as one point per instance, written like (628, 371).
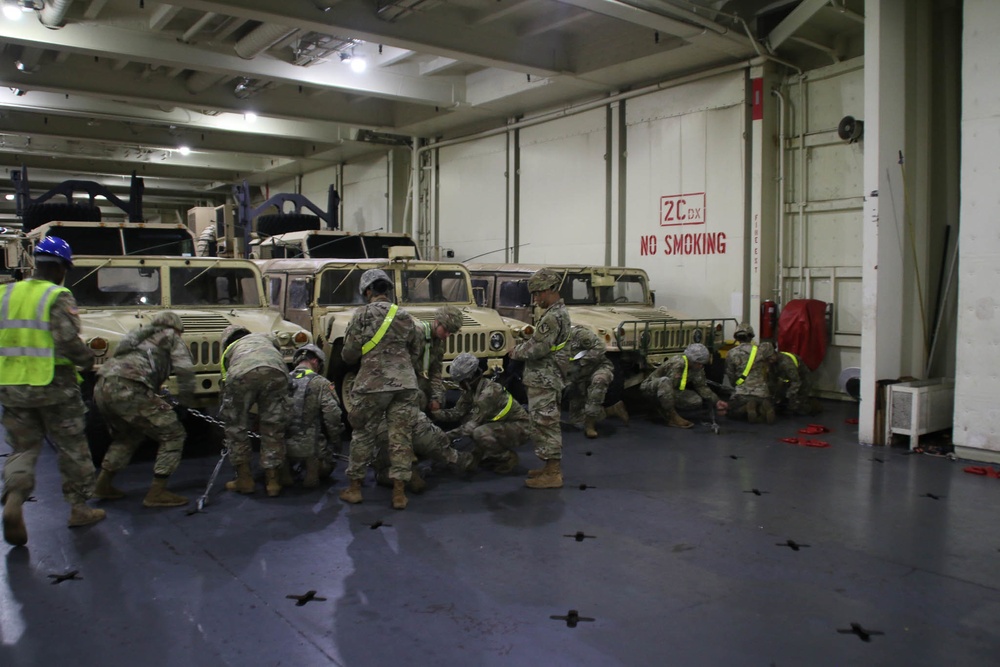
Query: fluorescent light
(9, 197)
(12, 11)
(358, 65)
(250, 117)
(184, 150)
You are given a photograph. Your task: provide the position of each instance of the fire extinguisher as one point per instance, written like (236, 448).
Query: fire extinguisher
(768, 320)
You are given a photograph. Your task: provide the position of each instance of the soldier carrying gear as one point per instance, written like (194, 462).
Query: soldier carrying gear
(748, 367)
(543, 380)
(313, 433)
(497, 424)
(588, 373)
(127, 394)
(40, 336)
(429, 369)
(680, 382)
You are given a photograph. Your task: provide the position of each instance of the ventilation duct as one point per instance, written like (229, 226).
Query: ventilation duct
(260, 39)
(53, 14)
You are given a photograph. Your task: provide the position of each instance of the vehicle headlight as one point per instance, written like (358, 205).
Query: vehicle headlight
(98, 345)
(697, 336)
(497, 340)
(284, 338)
(301, 338)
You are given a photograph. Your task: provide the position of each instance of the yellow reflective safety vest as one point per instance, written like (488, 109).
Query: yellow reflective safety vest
(506, 409)
(795, 360)
(377, 338)
(684, 376)
(746, 371)
(27, 349)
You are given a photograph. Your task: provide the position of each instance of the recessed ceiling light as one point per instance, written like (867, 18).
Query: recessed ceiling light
(184, 150)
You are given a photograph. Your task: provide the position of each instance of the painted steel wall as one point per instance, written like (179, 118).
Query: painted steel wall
(472, 191)
(685, 203)
(365, 194)
(977, 383)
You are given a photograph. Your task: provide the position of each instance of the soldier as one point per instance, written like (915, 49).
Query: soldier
(127, 396)
(747, 367)
(497, 424)
(791, 385)
(588, 373)
(314, 430)
(39, 391)
(383, 338)
(542, 378)
(680, 382)
(254, 373)
(430, 442)
(447, 321)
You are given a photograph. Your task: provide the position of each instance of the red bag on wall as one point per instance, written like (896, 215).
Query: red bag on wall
(802, 330)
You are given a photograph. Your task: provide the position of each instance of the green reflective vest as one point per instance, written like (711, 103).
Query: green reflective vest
(27, 350)
(377, 338)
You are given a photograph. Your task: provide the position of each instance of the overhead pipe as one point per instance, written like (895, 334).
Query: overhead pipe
(260, 39)
(53, 13)
(779, 275)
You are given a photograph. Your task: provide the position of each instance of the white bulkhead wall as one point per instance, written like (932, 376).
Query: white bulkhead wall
(472, 216)
(977, 383)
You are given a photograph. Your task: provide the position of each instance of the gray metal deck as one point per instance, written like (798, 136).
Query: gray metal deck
(672, 547)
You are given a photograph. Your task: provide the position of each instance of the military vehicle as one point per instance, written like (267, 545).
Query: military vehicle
(328, 243)
(13, 264)
(614, 302)
(322, 295)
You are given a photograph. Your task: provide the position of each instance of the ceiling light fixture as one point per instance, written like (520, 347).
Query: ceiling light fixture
(184, 150)
(12, 10)
(250, 117)
(357, 63)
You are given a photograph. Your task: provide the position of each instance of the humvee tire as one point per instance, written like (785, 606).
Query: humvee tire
(38, 214)
(271, 225)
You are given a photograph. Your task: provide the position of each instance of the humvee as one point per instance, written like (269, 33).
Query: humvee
(322, 295)
(614, 302)
(329, 243)
(12, 255)
(118, 294)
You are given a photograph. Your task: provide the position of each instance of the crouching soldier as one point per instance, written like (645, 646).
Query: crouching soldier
(588, 373)
(254, 373)
(497, 424)
(748, 367)
(430, 443)
(680, 383)
(127, 396)
(791, 386)
(313, 434)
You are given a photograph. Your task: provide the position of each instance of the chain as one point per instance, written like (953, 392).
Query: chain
(217, 422)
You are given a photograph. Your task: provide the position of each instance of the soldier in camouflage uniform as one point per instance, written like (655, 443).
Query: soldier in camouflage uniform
(680, 382)
(447, 321)
(383, 338)
(543, 380)
(39, 391)
(430, 443)
(127, 396)
(314, 430)
(588, 373)
(497, 424)
(747, 367)
(254, 373)
(791, 385)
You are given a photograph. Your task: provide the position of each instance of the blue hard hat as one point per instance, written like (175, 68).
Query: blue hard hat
(53, 246)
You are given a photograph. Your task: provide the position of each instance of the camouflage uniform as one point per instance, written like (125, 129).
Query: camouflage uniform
(55, 411)
(751, 398)
(663, 385)
(430, 442)
(587, 378)
(315, 427)
(489, 415)
(791, 385)
(255, 374)
(385, 388)
(127, 396)
(430, 361)
(543, 380)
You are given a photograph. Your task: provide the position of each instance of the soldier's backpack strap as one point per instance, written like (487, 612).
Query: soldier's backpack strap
(746, 371)
(377, 338)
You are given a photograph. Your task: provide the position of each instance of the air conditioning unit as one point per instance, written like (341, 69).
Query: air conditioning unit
(919, 407)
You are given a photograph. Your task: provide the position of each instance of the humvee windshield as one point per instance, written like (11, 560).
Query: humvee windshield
(435, 286)
(200, 286)
(125, 241)
(339, 287)
(115, 286)
(627, 289)
(353, 246)
(514, 294)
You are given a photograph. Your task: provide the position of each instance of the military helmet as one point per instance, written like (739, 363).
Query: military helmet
(53, 249)
(232, 333)
(544, 279)
(372, 276)
(745, 329)
(308, 349)
(449, 317)
(765, 351)
(464, 367)
(168, 319)
(697, 353)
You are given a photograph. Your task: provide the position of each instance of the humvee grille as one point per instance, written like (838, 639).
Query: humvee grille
(205, 353)
(207, 323)
(472, 343)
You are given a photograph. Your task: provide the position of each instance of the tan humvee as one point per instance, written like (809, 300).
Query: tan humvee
(322, 295)
(324, 243)
(13, 262)
(105, 239)
(118, 294)
(613, 302)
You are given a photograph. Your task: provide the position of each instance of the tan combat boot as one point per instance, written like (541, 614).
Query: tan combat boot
(83, 515)
(273, 485)
(675, 420)
(14, 530)
(617, 410)
(752, 415)
(417, 484)
(550, 477)
(508, 466)
(311, 480)
(767, 412)
(590, 428)
(104, 490)
(158, 495)
(244, 480)
(398, 494)
(352, 494)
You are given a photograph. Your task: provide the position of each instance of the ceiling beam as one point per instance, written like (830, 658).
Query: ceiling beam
(795, 20)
